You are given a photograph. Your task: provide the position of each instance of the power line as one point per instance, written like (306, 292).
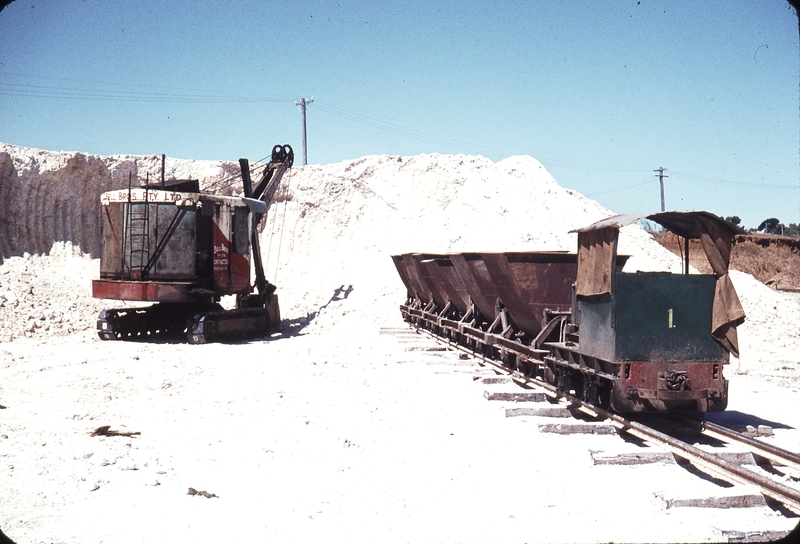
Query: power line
(716, 181)
(167, 95)
(623, 188)
(389, 125)
(84, 90)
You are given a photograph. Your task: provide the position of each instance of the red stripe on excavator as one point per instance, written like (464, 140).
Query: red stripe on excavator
(142, 290)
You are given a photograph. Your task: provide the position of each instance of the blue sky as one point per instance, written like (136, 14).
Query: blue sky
(601, 92)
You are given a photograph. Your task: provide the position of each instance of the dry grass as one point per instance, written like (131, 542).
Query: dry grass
(674, 243)
(775, 264)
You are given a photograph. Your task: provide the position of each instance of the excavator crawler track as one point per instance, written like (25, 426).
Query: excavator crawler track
(200, 325)
(158, 320)
(226, 325)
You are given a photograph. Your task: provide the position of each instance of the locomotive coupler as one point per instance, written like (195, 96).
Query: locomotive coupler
(674, 380)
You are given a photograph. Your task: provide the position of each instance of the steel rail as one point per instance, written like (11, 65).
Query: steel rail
(727, 471)
(762, 449)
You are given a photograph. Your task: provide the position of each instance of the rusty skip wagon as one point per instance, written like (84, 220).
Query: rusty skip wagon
(629, 342)
(183, 250)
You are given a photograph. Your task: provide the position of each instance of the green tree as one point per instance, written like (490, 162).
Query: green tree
(770, 226)
(735, 219)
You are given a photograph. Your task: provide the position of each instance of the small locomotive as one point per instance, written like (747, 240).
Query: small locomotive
(629, 342)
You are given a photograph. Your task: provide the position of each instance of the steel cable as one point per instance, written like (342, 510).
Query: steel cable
(283, 223)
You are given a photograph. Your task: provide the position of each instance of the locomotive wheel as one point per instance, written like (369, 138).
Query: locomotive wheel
(603, 396)
(548, 375)
(589, 390)
(563, 380)
(580, 385)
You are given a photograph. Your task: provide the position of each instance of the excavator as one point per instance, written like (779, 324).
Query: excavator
(183, 250)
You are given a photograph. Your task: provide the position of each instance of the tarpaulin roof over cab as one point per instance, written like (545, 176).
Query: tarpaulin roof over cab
(681, 223)
(597, 246)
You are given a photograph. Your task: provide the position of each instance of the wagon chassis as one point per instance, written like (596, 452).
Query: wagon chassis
(558, 363)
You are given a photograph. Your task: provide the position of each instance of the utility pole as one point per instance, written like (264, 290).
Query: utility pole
(661, 177)
(303, 103)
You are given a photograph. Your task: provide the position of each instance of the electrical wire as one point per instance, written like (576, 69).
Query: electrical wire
(616, 190)
(681, 175)
(389, 125)
(154, 94)
(716, 181)
(120, 92)
(36, 91)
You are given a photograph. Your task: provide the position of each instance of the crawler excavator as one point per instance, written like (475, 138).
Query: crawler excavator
(183, 250)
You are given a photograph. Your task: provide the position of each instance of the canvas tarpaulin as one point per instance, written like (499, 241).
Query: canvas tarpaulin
(597, 250)
(715, 238)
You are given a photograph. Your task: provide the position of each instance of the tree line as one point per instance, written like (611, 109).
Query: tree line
(772, 225)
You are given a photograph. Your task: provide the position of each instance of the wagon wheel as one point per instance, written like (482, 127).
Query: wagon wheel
(509, 360)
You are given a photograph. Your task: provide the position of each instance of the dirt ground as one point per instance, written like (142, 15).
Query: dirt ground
(326, 435)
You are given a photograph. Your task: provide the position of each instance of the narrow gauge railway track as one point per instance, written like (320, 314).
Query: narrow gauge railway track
(757, 447)
(715, 464)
